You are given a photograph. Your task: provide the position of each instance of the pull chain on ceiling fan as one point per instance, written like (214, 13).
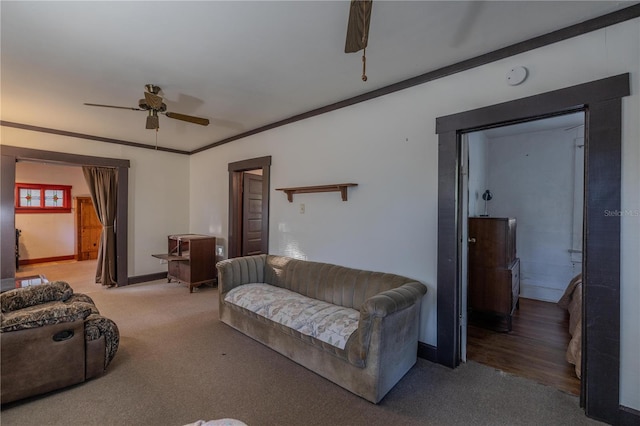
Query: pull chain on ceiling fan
(358, 30)
(153, 103)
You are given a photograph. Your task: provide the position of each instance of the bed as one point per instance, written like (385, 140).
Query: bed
(571, 300)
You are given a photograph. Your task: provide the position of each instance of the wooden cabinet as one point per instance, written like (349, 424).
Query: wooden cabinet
(494, 269)
(191, 259)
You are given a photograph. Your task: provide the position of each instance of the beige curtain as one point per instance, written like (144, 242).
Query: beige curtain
(103, 185)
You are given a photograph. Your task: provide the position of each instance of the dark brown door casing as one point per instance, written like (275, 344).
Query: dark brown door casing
(11, 154)
(236, 171)
(601, 101)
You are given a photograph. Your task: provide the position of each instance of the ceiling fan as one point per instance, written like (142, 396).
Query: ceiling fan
(358, 30)
(152, 103)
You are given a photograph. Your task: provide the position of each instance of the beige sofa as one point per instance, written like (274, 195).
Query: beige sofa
(357, 328)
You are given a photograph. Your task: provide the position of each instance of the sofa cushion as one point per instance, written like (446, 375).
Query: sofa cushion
(324, 321)
(20, 298)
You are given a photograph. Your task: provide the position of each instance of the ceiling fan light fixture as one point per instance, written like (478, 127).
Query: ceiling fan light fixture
(145, 105)
(154, 101)
(142, 104)
(152, 88)
(153, 121)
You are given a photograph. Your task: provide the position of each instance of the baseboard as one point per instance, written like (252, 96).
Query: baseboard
(145, 278)
(628, 416)
(47, 259)
(546, 294)
(428, 352)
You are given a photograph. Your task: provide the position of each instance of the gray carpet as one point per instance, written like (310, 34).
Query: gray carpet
(177, 364)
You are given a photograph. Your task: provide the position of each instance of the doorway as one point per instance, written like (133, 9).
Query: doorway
(56, 236)
(11, 154)
(602, 102)
(249, 207)
(530, 177)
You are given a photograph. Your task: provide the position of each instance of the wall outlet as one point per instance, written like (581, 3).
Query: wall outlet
(301, 208)
(220, 250)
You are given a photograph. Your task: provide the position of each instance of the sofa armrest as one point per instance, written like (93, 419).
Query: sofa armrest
(240, 270)
(99, 328)
(396, 299)
(379, 306)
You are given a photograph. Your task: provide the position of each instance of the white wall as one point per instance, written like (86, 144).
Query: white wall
(389, 147)
(531, 178)
(47, 235)
(478, 163)
(158, 196)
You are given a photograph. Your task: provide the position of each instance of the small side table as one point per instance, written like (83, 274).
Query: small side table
(20, 282)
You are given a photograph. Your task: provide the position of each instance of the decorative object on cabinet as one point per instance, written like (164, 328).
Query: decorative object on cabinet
(494, 269)
(336, 187)
(487, 196)
(191, 259)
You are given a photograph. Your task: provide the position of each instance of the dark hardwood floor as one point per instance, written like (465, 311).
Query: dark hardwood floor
(535, 348)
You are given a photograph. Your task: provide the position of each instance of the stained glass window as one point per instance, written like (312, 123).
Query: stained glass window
(53, 197)
(42, 198)
(29, 197)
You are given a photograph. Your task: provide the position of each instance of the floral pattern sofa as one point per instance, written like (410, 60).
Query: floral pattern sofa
(357, 328)
(51, 338)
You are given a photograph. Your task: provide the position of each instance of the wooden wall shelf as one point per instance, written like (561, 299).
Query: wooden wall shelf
(336, 187)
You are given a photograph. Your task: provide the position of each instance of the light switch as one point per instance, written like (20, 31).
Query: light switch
(301, 208)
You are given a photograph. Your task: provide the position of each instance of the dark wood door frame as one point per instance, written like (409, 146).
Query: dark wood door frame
(601, 101)
(235, 202)
(11, 154)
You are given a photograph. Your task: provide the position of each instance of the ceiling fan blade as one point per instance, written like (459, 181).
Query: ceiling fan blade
(113, 106)
(153, 100)
(358, 25)
(153, 122)
(189, 118)
(468, 21)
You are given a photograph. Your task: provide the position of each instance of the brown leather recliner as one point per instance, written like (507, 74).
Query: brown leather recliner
(51, 338)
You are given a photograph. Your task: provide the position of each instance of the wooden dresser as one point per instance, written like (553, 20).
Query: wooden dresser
(191, 259)
(494, 269)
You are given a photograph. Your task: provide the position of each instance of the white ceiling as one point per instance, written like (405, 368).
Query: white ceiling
(567, 122)
(241, 64)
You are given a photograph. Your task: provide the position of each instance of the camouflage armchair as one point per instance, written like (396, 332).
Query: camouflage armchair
(51, 338)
